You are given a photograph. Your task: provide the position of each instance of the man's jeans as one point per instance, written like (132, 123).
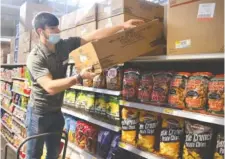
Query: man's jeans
(38, 124)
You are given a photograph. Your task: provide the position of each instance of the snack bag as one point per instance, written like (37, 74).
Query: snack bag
(90, 102)
(145, 88)
(100, 105)
(198, 137)
(130, 84)
(72, 130)
(148, 123)
(80, 138)
(87, 83)
(161, 83)
(113, 109)
(170, 136)
(114, 147)
(216, 95)
(90, 133)
(69, 97)
(104, 141)
(114, 78)
(81, 101)
(177, 90)
(67, 123)
(129, 125)
(196, 91)
(219, 153)
(99, 81)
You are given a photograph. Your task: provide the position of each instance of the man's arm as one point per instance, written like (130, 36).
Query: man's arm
(102, 33)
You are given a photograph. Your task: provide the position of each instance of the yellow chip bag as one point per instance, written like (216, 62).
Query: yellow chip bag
(148, 122)
(129, 125)
(170, 136)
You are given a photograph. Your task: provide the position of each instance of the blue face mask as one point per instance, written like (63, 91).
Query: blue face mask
(54, 38)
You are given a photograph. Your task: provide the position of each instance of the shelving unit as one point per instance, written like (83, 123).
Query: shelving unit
(9, 129)
(18, 78)
(4, 95)
(90, 119)
(1, 79)
(18, 121)
(175, 112)
(7, 111)
(19, 107)
(26, 95)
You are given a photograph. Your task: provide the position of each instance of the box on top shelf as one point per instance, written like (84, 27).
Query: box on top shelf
(24, 42)
(116, 20)
(138, 8)
(119, 48)
(79, 31)
(27, 12)
(80, 16)
(195, 26)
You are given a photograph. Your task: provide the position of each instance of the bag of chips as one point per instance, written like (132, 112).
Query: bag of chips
(114, 78)
(170, 136)
(130, 84)
(198, 137)
(72, 130)
(148, 123)
(196, 91)
(114, 147)
(67, 123)
(216, 95)
(69, 98)
(145, 88)
(177, 90)
(90, 102)
(80, 138)
(129, 125)
(219, 153)
(104, 141)
(113, 109)
(80, 100)
(160, 90)
(100, 105)
(99, 81)
(91, 134)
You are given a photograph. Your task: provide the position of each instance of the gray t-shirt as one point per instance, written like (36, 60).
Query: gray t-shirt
(42, 62)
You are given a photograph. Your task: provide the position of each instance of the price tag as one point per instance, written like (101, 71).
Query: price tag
(121, 144)
(168, 111)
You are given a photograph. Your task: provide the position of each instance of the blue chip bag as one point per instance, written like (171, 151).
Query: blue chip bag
(104, 141)
(114, 146)
(67, 123)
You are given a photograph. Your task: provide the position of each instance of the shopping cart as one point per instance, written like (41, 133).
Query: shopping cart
(18, 151)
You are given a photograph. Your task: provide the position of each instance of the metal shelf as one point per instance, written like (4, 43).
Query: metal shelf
(4, 95)
(18, 78)
(183, 57)
(175, 112)
(4, 80)
(13, 65)
(91, 119)
(10, 113)
(82, 152)
(26, 95)
(141, 153)
(6, 127)
(18, 121)
(19, 107)
(97, 90)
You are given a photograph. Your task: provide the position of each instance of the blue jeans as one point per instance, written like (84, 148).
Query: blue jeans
(38, 124)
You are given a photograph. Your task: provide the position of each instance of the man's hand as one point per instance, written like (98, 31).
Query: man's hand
(87, 73)
(132, 23)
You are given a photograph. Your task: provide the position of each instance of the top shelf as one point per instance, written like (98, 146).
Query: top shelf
(183, 57)
(13, 65)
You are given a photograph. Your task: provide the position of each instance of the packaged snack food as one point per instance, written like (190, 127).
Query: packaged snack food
(87, 82)
(91, 134)
(196, 91)
(219, 153)
(104, 141)
(69, 97)
(99, 81)
(130, 84)
(72, 130)
(80, 138)
(114, 78)
(177, 90)
(148, 123)
(67, 123)
(80, 100)
(129, 125)
(90, 102)
(114, 146)
(100, 105)
(145, 88)
(170, 136)
(161, 82)
(198, 138)
(216, 95)
(113, 109)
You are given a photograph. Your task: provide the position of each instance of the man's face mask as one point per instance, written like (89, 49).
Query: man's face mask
(52, 38)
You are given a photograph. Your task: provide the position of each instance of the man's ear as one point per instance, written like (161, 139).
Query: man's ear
(39, 31)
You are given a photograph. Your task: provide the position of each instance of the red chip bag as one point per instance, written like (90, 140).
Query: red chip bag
(145, 88)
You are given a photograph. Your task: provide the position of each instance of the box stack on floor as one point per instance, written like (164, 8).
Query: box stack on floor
(159, 92)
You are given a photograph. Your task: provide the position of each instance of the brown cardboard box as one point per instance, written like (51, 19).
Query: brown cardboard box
(79, 31)
(116, 20)
(119, 48)
(159, 50)
(80, 16)
(12, 44)
(27, 12)
(34, 39)
(22, 57)
(24, 42)
(195, 26)
(138, 8)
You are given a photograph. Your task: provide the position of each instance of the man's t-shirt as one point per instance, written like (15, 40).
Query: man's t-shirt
(42, 62)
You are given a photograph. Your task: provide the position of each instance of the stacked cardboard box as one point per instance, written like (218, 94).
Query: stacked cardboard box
(195, 27)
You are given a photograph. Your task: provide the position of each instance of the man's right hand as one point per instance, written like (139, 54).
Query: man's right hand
(87, 73)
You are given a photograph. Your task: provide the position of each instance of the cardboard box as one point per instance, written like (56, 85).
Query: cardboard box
(159, 50)
(24, 42)
(119, 48)
(22, 57)
(79, 31)
(116, 20)
(195, 27)
(27, 12)
(138, 8)
(34, 39)
(80, 16)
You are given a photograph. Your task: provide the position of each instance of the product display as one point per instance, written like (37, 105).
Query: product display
(100, 105)
(145, 88)
(219, 151)
(69, 97)
(114, 78)
(113, 109)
